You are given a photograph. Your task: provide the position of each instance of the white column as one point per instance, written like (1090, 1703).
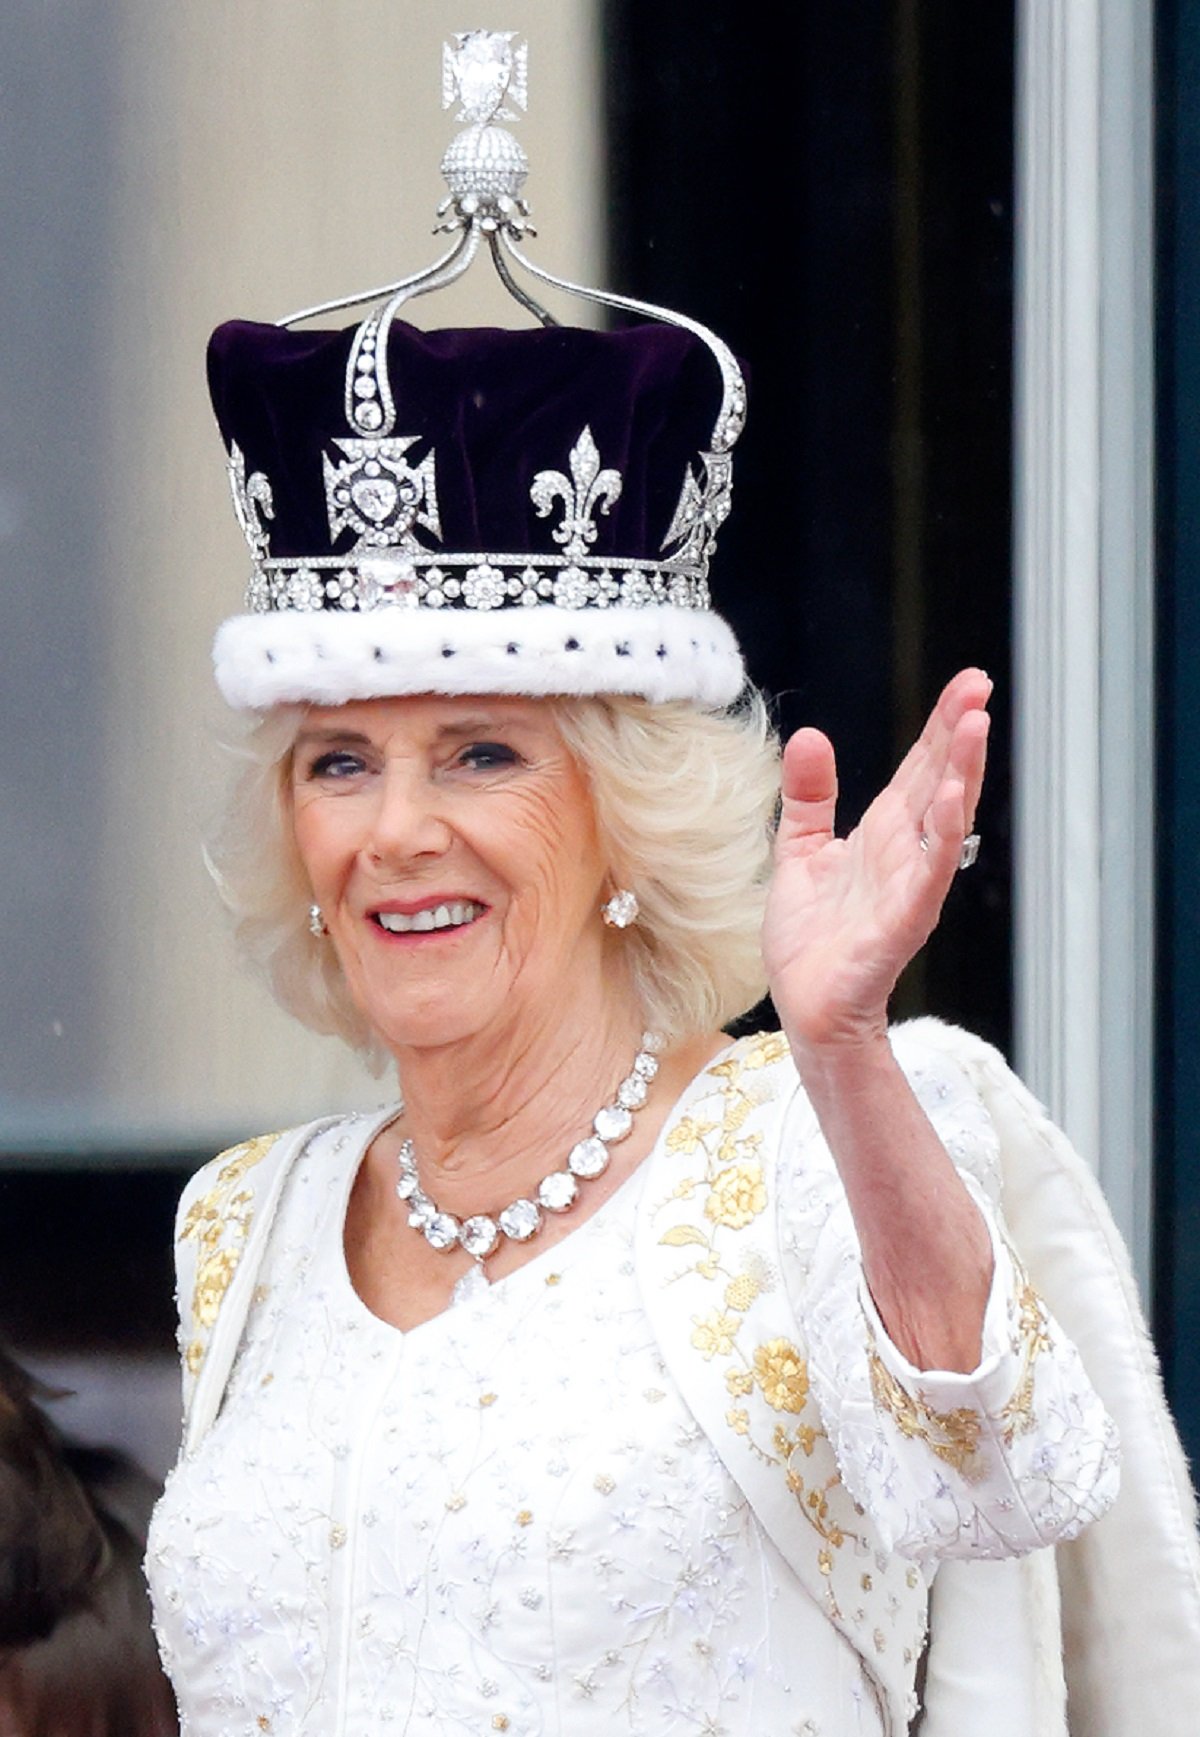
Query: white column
(1084, 584)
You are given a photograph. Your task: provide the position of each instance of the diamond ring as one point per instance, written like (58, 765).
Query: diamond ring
(968, 853)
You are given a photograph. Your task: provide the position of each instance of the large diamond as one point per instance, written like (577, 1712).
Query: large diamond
(423, 1210)
(589, 1158)
(441, 1231)
(645, 1066)
(375, 497)
(481, 66)
(387, 579)
(621, 909)
(520, 1220)
(631, 1094)
(612, 1123)
(558, 1192)
(479, 1235)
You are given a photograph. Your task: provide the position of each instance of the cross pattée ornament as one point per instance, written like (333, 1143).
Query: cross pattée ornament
(375, 493)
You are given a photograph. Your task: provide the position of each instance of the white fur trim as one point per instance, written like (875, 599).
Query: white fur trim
(324, 657)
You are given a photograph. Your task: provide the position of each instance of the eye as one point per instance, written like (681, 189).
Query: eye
(487, 756)
(338, 763)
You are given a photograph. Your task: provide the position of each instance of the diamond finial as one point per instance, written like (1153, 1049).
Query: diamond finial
(485, 168)
(482, 68)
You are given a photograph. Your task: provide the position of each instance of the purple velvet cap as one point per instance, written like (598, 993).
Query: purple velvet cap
(475, 510)
(495, 406)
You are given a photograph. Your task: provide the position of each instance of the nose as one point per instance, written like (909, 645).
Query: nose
(406, 821)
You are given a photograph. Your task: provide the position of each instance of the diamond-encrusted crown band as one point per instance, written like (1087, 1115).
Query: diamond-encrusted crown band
(482, 582)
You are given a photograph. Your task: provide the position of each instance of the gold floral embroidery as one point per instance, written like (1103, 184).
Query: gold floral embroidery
(217, 1267)
(716, 1224)
(732, 1184)
(761, 1051)
(782, 1374)
(218, 1222)
(741, 1292)
(1033, 1337)
(952, 1435)
(737, 1195)
(714, 1334)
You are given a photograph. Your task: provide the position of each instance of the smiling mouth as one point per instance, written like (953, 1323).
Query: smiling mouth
(456, 914)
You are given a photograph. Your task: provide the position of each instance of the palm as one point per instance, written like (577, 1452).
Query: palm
(845, 915)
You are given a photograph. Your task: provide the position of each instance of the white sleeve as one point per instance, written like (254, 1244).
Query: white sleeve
(1017, 1454)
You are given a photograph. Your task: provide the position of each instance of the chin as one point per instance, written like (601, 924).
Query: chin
(430, 1024)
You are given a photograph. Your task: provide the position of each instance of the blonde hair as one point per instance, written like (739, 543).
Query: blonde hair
(685, 802)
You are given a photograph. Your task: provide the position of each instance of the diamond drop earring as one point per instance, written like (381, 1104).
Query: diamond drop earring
(621, 910)
(316, 922)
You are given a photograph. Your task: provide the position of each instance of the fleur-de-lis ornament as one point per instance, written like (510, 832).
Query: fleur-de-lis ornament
(587, 490)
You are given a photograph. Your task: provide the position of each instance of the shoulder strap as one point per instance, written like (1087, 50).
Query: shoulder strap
(222, 1229)
(708, 1256)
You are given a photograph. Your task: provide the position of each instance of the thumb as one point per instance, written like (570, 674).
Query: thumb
(809, 792)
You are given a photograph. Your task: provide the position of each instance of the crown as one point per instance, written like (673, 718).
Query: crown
(479, 509)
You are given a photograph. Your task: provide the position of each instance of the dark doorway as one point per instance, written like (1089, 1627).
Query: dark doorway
(834, 196)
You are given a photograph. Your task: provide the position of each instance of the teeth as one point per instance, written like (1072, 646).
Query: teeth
(451, 916)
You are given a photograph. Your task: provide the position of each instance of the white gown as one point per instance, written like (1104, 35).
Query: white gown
(507, 1519)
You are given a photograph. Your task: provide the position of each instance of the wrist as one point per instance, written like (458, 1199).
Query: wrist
(840, 1047)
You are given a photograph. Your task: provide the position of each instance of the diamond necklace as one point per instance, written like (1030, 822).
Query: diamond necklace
(588, 1158)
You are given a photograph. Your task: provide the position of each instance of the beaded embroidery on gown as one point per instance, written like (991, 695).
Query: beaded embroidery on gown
(506, 1519)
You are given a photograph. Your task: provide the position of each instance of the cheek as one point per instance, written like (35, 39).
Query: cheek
(323, 832)
(555, 853)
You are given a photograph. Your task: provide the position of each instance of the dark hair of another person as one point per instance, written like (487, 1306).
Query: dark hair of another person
(77, 1654)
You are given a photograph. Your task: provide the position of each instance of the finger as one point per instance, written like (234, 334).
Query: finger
(943, 829)
(968, 760)
(928, 760)
(809, 791)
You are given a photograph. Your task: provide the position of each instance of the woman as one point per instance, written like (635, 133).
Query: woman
(617, 1377)
(399, 1483)
(511, 1026)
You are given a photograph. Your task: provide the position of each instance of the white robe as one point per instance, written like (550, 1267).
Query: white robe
(765, 1647)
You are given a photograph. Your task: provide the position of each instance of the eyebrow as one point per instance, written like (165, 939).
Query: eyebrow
(469, 725)
(310, 738)
(473, 724)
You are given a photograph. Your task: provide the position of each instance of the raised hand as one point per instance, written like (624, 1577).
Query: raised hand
(845, 915)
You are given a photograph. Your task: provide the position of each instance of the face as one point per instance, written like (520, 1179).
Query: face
(452, 847)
